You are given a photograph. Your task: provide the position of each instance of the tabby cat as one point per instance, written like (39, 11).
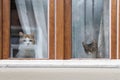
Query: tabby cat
(90, 48)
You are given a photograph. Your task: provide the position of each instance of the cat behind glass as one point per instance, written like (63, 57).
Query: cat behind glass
(26, 46)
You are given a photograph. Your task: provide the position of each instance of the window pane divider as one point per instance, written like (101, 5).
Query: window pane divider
(6, 29)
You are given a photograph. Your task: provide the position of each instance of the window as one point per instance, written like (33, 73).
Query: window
(90, 29)
(26, 13)
(59, 29)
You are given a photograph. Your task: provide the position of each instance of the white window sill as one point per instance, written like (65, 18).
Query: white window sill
(59, 63)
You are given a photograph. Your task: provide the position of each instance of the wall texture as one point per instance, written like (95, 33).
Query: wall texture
(59, 74)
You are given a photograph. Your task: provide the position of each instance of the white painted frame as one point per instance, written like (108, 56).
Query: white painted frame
(60, 64)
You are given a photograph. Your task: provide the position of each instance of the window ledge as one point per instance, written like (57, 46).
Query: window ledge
(59, 63)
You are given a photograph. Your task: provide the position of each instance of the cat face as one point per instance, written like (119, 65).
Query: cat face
(26, 39)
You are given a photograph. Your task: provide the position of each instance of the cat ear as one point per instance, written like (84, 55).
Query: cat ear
(32, 34)
(21, 33)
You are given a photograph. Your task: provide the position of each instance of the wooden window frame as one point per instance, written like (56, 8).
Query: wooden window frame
(60, 38)
(67, 48)
(5, 32)
(113, 29)
(119, 30)
(63, 37)
(6, 29)
(59, 29)
(0, 29)
(51, 30)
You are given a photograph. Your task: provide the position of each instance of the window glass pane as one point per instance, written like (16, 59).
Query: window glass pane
(29, 29)
(90, 29)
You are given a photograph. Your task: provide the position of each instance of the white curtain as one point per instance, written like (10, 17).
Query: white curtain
(94, 11)
(103, 38)
(33, 19)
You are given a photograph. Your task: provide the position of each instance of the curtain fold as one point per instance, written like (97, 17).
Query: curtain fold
(33, 19)
(22, 13)
(90, 21)
(41, 27)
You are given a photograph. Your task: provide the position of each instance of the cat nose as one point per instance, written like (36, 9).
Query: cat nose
(27, 43)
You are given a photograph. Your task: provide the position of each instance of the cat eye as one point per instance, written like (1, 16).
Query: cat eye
(30, 40)
(24, 40)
